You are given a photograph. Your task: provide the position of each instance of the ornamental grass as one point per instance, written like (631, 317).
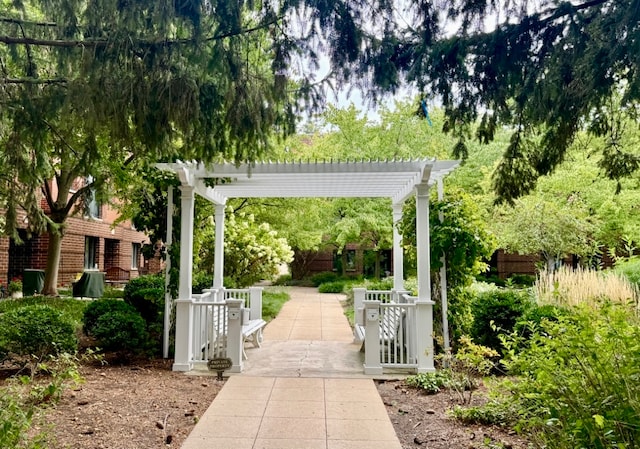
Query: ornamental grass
(570, 287)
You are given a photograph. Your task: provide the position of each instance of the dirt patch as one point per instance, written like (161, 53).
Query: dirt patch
(421, 421)
(140, 406)
(146, 405)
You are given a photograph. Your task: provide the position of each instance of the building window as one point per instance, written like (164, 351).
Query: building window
(90, 253)
(135, 255)
(93, 206)
(351, 259)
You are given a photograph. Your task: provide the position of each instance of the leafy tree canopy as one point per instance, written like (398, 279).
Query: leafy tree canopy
(462, 236)
(546, 70)
(89, 89)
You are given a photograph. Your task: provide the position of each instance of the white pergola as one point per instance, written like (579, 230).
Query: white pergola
(397, 180)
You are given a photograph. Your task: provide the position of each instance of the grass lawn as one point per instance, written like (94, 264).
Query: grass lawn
(272, 302)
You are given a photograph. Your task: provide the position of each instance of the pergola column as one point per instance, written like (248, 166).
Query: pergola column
(184, 320)
(218, 263)
(424, 304)
(398, 258)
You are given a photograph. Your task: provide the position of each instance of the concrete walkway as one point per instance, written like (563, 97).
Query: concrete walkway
(304, 389)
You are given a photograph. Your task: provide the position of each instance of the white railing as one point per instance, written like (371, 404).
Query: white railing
(209, 326)
(387, 323)
(397, 342)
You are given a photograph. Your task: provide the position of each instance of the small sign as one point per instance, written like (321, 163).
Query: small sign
(219, 365)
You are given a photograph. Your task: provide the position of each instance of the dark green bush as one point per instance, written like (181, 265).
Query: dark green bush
(121, 330)
(524, 280)
(533, 318)
(96, 309)
(323, 278)
(491, 278)
(146, 295)
(284, 279)
(630, 268)
(36, 330)
(201, 280)
(332, 287)
(496, 312)
(460, 313)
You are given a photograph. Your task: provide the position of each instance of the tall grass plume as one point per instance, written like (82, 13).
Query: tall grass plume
(567, 286)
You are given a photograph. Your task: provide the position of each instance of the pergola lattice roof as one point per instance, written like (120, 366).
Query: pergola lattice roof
(395, 179)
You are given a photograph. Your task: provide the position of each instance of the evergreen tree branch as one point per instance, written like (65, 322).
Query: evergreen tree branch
(33, 81)
(98, 43)
(59, 136)
(27, 22)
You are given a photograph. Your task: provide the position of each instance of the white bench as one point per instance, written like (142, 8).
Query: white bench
(390, 324)
(252, 332)
(214, 339)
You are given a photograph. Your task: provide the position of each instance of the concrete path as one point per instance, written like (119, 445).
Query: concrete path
(304, 389)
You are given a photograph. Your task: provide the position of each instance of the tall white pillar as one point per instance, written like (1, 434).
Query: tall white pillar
(184, 319)
(218, 263)
(424, 305)
(422, 242)
(398, 262)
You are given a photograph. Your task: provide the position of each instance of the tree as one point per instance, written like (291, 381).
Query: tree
(547, 71)
(253, 251)
(88, 89)
(541, 226)
(367, 222)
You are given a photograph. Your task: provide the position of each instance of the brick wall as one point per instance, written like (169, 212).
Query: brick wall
(73, 247)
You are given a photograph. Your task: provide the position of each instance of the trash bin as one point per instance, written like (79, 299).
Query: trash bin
(32, 282)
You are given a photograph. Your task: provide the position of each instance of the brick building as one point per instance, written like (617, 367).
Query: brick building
(91, 241)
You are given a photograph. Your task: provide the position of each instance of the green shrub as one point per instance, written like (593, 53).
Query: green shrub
(332, 287)
(121, 330)
(96, 309)
(630, 268)
(524, 280)
(72, 309)
(284, 279)
(534, 317)
(36, 330)
(201, 280)
(323, 278)
(496, 312)
(579, 386)
(146, 295)
(380, 284)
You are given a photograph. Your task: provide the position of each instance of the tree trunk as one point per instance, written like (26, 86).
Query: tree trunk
(376, 270)
(53, 264)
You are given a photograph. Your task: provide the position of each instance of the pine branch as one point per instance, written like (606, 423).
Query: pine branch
(27, 22)
(99, 43)
(33, 81)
